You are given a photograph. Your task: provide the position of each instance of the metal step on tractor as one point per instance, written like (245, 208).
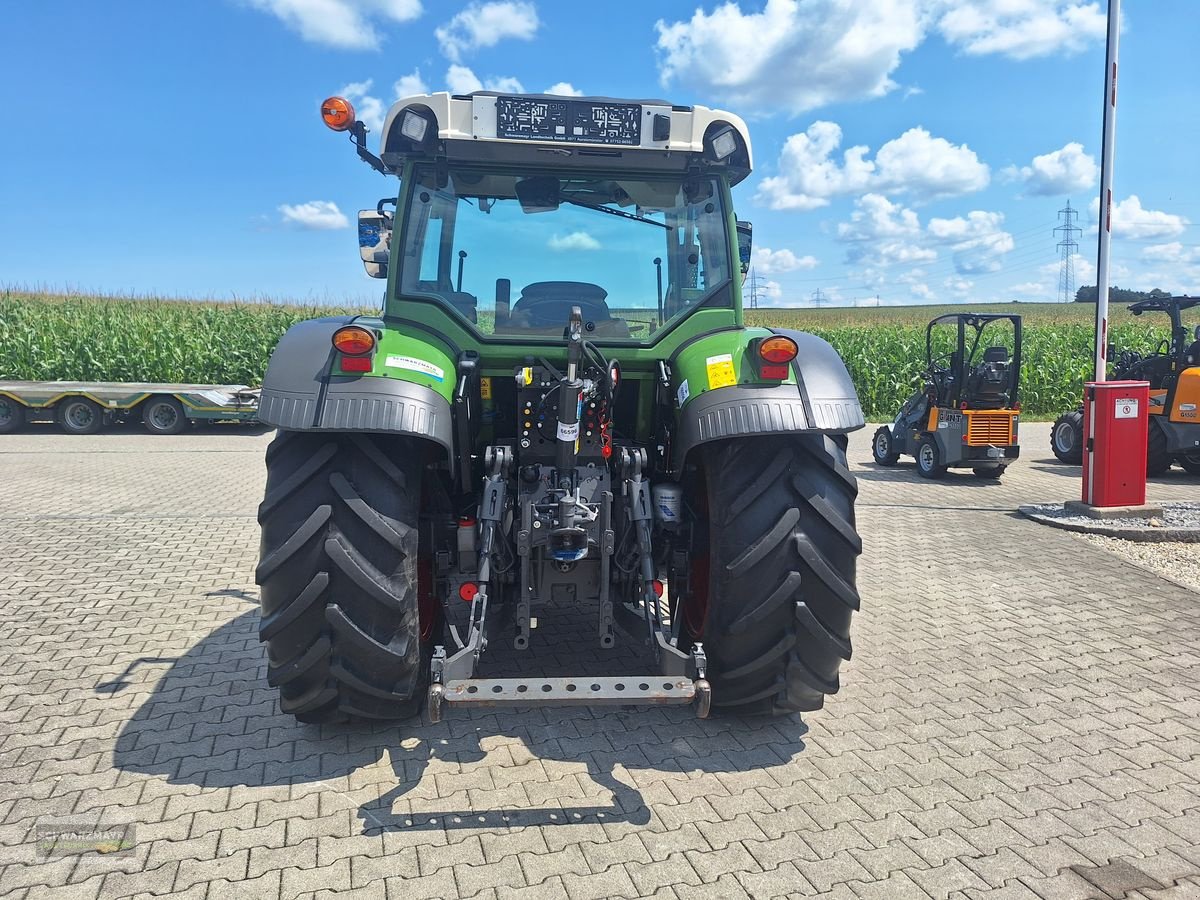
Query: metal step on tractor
(559, 404)
(967, 412)
(1173, 370)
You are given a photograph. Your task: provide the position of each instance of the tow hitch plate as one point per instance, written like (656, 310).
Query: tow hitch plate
(640, 689)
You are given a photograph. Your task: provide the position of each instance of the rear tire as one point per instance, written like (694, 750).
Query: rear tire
(339, 575)
(12, 415)
(773, 584)
(1158, 461)
(79, 415)
(883, 447)
(929, 459)
(1066, 437)
(164, 415)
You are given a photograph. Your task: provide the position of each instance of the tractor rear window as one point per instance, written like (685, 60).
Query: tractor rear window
(513, 252)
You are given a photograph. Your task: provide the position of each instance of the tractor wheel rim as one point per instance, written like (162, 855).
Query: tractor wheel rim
(1064, 436)
(164, 415)
(927, 457)
(882, 442)
(80, 415)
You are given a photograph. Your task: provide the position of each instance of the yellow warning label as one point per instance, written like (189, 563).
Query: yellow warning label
(720, 371)
(485, 388)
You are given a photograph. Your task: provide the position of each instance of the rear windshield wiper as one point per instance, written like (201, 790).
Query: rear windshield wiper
(615, 212)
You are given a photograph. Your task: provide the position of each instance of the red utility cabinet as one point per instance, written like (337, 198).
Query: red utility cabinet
(1115, 419)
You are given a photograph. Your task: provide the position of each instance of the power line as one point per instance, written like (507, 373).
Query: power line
(752, 280)
(818, 298)
(1067, 248)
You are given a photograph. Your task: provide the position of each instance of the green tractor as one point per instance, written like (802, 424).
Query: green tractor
(559, 405)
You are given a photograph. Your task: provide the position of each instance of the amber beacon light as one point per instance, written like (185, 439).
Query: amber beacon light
(338, 113)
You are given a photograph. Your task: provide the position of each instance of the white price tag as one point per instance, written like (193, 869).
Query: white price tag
(568, 432)
(1127, 408)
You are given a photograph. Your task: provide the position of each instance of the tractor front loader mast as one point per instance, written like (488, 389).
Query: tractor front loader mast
(565, 520)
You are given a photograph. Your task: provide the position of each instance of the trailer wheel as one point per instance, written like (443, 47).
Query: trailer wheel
(79, 415)
(1066, 437)
(1158, 460)
(12, 415)
(772, 584)
(164, 415)
(929, 459)
(347, 633)
(883, 447)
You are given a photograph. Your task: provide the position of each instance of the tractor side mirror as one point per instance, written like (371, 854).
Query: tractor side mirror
(745, 238)
(1112, 349)
(374, 241)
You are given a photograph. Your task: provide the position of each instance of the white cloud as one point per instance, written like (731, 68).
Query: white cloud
(348, 24)
(1173, 252)
(461, 80)
(1131, 220)
(809, 175)
(315, 215)
(564, 88)
(485, 25)
(772, 262)
(978, 241)
(1019, 29)
(371, 110)
(408, 85)
(795, 55)
(882, 233)
(960, 287)
(576, 240)
(1064, 171)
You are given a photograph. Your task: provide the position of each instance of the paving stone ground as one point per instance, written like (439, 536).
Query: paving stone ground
(1021, 717)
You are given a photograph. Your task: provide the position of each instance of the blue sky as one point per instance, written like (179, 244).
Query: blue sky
(910, 150)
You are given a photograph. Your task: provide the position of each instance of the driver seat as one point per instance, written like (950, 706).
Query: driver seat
(544, 306)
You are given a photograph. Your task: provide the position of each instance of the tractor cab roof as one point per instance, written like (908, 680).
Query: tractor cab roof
(577, 132)
(1163, 304)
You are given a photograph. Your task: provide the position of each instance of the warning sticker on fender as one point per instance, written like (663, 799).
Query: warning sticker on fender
(681, 395)
(416, 365)
(1126, 408)
(720, 371)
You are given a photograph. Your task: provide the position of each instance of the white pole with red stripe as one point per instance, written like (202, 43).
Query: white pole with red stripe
(1106, 176)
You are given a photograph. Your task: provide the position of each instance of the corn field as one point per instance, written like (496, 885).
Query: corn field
(77, 337)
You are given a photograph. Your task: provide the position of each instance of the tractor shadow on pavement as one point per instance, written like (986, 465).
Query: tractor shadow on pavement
(212, 721)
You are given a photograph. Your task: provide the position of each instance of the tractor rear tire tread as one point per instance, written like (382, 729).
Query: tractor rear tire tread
(338, 576)
(795, 547)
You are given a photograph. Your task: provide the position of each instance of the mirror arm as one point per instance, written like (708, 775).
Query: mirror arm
(358, 134)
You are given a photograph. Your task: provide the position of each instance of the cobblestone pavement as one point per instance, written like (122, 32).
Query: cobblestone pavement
(1021, 718)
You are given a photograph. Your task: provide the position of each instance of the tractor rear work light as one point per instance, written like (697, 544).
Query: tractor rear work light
(353, 340)
(414, 126)
(338, 113)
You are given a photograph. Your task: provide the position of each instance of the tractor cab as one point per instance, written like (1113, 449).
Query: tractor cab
(967, 412)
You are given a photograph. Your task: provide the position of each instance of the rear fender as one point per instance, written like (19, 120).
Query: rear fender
(818, 398)
(301, 392)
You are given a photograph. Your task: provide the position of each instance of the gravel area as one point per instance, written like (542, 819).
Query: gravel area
(1179, 562)
(1180, 522)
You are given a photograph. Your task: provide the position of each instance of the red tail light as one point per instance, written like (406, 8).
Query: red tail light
(354, 340)
(356, 364)
(778, 350)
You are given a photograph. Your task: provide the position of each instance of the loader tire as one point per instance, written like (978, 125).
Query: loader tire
(1158, 460)
(338, 570)
(772, 584)
(1066, 437)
